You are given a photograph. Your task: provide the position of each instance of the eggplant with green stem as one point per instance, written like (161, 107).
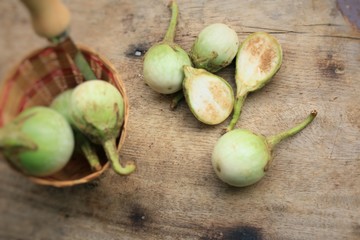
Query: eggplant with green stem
(39, 141)
(62, 105)
(240, 157)
(257, 61)
(215, 47)
(97, 110)
(163, 62)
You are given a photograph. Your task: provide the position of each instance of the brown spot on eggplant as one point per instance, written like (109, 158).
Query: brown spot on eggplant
(259, 48)
(218, 168)
(253, 46)
(211, 111)
(219, 94)
(266, 59)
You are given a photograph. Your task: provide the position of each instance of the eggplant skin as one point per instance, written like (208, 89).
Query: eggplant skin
(163, 67)
(215, 47)
(240, 157)
(259, 58)
(53, 137)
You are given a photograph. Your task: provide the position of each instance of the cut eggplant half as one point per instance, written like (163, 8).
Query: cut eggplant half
(210, 97)
(257, 61)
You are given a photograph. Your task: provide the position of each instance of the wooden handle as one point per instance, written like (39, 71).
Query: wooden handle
(50, 18)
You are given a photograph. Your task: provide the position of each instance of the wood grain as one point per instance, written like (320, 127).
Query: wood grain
(312, 189)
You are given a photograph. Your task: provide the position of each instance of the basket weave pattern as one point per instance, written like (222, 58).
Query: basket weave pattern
(37, 80)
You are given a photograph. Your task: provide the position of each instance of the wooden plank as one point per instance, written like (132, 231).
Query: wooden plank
(311, 190)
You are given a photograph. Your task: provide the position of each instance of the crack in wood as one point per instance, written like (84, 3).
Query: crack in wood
(338, 36)
(321, 24)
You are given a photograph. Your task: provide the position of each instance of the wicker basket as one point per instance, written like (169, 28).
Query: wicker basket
(41, 76)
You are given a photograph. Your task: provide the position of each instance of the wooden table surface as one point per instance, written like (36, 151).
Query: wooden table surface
(312, 189)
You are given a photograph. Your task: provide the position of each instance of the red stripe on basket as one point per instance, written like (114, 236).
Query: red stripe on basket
(5, 95)
(38, 84)
(44, 53)
(110, 75)
(11, 81)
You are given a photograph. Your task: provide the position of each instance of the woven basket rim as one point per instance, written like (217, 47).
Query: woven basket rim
(118, 84)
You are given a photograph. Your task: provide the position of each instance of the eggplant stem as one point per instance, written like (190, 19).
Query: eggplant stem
(237, 110)
(170, 33)
(204, 62)
(275, 139)
(88, 151)
(14, 139)
(175, 101)
(112, 155)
